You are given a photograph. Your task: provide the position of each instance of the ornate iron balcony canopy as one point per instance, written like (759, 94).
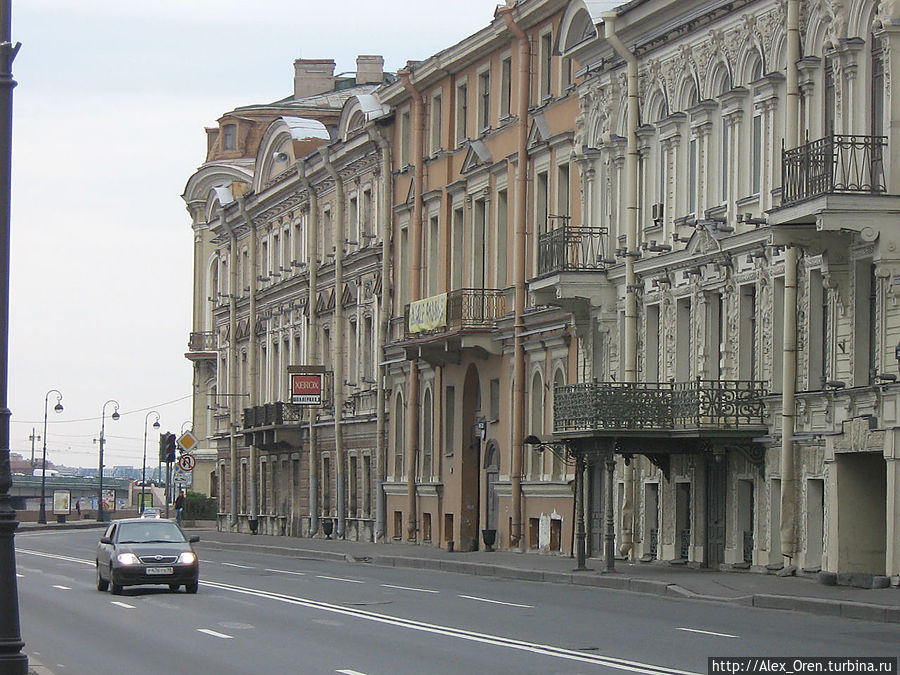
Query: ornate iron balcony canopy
(461, 309)
(568, 249)
(659, 406)
(272, 414)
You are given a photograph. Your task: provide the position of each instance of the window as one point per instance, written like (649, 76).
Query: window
(502, 225)
(479, 243)
(756, 155)
(427, 439)
(692, 176)
(403, 290)
(878, 86)
(399, 439)
(353, 503)
(365, 216)
(651, 367)
(726, 160)
(546, 56)
(449, 419)
(353, 220)
(404, 138)
(505, 86)
(747, 333)
(434, 248)
(537, 425)
(456, 253)
(462, 108)
(816, 329)
(829, 97)
(567, 70)
(436, 123)
(495, 400)
(542, 202)
(562, 193)
(229, 137)
(484, 101)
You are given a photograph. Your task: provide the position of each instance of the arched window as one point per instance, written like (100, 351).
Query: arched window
(558, 467)
(427, 439)
(537, 425)
(399, 438)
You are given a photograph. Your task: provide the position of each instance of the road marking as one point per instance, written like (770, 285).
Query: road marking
(349, 581)
(62, 588)
(243, 567)
(458, 633)
(299, 574)
(707, 632)
(407, 588)
(349, 672)
(495, 602)
(122, 604)
(21, 576)
(215, 633)
(56, 557)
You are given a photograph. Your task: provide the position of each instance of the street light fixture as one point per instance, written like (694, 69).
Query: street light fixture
(42, 517)
(115, 416)
(144, 466)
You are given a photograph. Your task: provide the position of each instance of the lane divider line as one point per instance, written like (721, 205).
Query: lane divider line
(122, 604)
(215, 633)
(62, 588)
(407, 588)
(495, 602)
(243, 567)
(299, 574)
(707, 632)
(349, 581)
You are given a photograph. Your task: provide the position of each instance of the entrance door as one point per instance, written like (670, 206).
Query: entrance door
(716, 486)
(596, 508)
(491, 474)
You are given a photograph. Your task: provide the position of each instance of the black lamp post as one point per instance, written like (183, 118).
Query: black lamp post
(12, 660)
(115, 416)
(144, 465)
(42, 517)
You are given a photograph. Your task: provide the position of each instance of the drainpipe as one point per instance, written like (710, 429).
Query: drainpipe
(789, 362)
(415, 293)
(631, 206)
(233, 281)
(337, 357)
(519, 262)
(253, 515)
(384, 318)
(312, 340)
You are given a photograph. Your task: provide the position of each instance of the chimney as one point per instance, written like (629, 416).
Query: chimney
(369, 69)
(313, 76)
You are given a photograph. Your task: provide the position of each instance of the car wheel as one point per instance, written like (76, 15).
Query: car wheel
(102, 584)
(114, 587)
(192, 588)
(173, 587)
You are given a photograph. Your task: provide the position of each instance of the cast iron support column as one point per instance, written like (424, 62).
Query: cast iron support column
(580, 534)
(610, 544)
(12, 660)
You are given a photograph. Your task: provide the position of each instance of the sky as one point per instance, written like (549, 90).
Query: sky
(108, 125)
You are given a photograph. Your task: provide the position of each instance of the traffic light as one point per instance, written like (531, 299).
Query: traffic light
(167, 447)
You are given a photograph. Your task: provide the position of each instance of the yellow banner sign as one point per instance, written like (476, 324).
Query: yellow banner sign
(428, 314)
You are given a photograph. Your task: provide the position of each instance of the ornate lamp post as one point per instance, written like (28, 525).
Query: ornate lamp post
(42, 517)
(144, 466)
(115, 416)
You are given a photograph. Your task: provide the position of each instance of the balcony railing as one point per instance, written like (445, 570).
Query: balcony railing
(202, 342)
(568, 249)
(834, 165)
(272, 414)
(658, 406)
(466, 309)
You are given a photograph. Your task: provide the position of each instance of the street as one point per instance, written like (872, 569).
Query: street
(267, 613)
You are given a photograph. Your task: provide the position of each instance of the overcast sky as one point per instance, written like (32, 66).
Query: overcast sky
(108, 120)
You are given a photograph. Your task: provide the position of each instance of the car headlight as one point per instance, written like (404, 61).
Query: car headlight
(127, 559)
(187, 558)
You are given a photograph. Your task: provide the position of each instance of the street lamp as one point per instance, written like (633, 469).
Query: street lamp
(115, 416)
(144, 466)
(42, 518)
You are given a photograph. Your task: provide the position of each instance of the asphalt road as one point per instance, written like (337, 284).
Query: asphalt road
(264, 613)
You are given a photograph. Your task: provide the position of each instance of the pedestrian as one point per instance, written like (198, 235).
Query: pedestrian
(179, 506)
(78, 507)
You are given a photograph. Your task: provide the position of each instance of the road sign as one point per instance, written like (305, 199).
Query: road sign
(186, 462)
(187, 441)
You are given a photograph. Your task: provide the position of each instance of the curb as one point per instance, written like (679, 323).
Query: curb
(822, 606)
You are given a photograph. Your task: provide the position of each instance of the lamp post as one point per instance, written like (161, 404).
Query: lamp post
(144, 465)
(42, 517)
(115, 416)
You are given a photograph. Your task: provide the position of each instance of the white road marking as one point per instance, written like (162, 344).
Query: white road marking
(299, 574)
(56, 557)
(62, 588)
(122, 604)
(21, 576)
(347, 671)
(349, 581)
(407, 588)
(707, 632)
(494, 602)
(243, 567)
(215, 633)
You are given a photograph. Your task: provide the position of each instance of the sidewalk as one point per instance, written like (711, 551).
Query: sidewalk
(802, 594)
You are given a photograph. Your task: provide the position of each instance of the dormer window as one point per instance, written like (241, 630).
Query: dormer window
(229, 137)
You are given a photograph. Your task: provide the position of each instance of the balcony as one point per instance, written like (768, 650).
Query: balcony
(439, 327)
(833, 180)
(570, 260)
(273, 425)
(658, 419)
(201, 345)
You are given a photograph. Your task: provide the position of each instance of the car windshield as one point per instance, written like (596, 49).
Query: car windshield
(137, 533)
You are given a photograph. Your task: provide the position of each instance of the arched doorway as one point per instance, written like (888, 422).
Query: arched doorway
(471, 464)
(491, 475)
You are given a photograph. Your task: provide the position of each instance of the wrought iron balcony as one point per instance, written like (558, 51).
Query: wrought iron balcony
(836, 164)
(571, 249)
(202, 342)
(659, 406)
(272, 414)
(469, 309)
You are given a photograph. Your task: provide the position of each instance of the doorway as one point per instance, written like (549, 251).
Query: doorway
(469, 506)
(716, 488)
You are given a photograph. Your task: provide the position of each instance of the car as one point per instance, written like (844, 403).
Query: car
(143, 551)
(151, 512)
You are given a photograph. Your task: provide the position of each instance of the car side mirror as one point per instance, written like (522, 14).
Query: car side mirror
(105, 540)
(194, 539)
